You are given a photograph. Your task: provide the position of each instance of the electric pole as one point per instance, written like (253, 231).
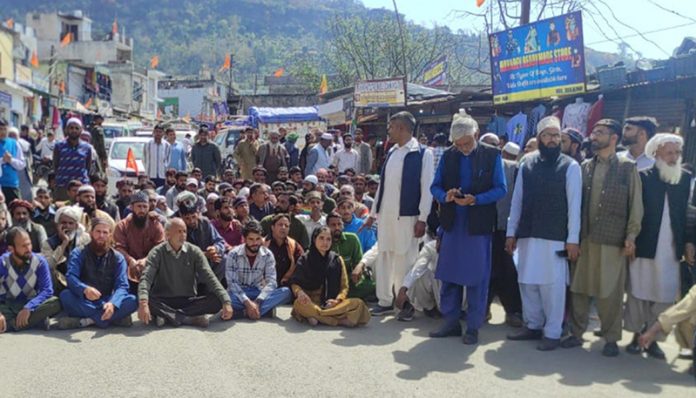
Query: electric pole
(526, 9)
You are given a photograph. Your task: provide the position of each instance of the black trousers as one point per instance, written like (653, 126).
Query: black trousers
(504, 277)
(11, 194)
(175, 309)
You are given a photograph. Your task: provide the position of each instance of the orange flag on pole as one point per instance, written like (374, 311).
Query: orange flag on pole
(154, 62)
(324, 86)
(280, 72)
(88, 103)
(67, 39)
(228, 62)
(10, 23)
(479, 3)
(114, 26)
(35, 59)
(130, 161)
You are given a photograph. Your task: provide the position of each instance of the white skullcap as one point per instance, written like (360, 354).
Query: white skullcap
(511, 148)
(191, 181)
(73, 120)
(462, 125)
(72, 212)
(212, 196)
(496, 140)
(243, 193)
(312, 179)
(547, 123)
(660, 139)
(13, 130)
(86, 188)
(327, 136)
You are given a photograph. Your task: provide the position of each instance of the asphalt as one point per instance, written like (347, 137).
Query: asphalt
(280, 357)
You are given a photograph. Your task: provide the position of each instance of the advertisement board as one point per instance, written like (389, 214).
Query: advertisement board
(383, 93)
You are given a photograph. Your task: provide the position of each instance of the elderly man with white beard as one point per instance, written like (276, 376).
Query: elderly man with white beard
(654, 273)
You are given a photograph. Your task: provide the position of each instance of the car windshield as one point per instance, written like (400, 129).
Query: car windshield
(113, 132)
(119, 150)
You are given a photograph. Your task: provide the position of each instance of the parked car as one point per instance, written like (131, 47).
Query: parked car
(114, 130)
(118, 153)
(226, 140)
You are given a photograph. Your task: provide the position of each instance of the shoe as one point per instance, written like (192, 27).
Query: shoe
(547, 344)
(432, 313)
(159, 321)
(526, 334)
(380, 311)
(489, 316)
(634, 347)
(406, 313)
(470, 337)
(124, 322)
(270, 314)
(200, 321)
(610, 350)
(67, 323)
(598, 333)
(447, 331)
(514, 320)
(685, 353)
(46, 324)
(655, 351)
(571, 342)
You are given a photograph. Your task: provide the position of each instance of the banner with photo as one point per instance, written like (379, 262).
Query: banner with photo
(435, 73)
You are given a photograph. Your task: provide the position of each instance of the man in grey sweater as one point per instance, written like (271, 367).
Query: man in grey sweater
(167, 288)
(206, 155)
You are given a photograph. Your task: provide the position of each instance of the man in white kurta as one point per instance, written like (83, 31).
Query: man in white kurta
(398, 235)
(542, 270)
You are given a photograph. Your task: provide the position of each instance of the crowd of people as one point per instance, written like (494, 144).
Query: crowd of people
(553, 231)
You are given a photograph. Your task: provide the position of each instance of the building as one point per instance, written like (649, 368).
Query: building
(137, 93)
(15, 100)
(201, 97)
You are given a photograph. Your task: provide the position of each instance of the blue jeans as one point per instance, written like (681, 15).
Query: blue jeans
(80, 307)
(279, 296)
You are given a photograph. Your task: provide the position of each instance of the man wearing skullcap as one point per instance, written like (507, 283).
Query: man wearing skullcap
(136, 235)
(653, 276)
(468, 182)
(12, 163)
(571, 142)
(70, 235)
(637, 131)
(21, 211)
(612, 210)
(72, 159)
(272, 155)
(490, 139)
(97, 292)
(321, 155)
(545, 220)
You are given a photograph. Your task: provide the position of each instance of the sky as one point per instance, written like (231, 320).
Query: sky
(642, 15)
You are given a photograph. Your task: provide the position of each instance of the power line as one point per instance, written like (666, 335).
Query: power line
(671, 11)
(643, 33)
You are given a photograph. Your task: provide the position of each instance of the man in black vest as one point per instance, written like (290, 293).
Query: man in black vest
(663, 240)
(97, 292)
(468, 182)
(545, 217)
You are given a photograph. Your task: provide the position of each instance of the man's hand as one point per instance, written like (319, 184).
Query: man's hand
(144, 312)
(236, 223)
(630, 249)
(22, 319)
(252, 310)
(357, 272)
(212, 254)
(92, 294)
(467, 200)
(690, 253)
(649, 336)
(303, 298)
(510, 245)
(108, 311)
(573, 250)
(330, 303)
(3, 324)
(227, 312)
(64, 239)
(367, 224)
(7, 157)
(419, 229)
(452, 194)
(401, 298)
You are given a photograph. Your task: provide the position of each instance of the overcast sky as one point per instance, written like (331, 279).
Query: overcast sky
(640, 14)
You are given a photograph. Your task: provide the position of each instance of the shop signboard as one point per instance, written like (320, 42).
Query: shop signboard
(383, 93)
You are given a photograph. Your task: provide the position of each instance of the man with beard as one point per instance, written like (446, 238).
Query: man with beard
(353, 224)
(637, 131)
(179, 187)
(346, 244)
(293, 151)
(168, 288)
(360, 185)
(285, 249)
(320, 156)
(87, 200)
(571, 143)
(72, 159)
(241, 210)
(229, 228)
(205, 155)
(13, 163)
(612, 210)
(346, 158)
(136, 235)
(21, 210)
(100, 185)
(44, 211)
(169, 182)
(97, 132)
(251, 275)
(544, 221)
(653, 276)
(468, 182)
(287, 204)
(125, 190)
(70, 235)
(245, 153)
(365, 152)
(210, 184)
(26, 291)
(260, 205)
(97, 292)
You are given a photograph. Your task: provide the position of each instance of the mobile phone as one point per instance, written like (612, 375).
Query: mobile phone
(459, 195)
(562, 253)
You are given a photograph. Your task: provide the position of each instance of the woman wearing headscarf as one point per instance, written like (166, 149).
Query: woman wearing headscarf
(320, 285)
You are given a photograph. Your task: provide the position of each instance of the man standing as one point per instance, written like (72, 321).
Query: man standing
(26, 291)
(245, 153)
(347, 158)
(12, 163)
(571, 142)
(156, 156)
(97, 292)
(346, 244)
(285, 249)
(251, 273)
(545, 221)
(612, 210)
(206, 156)
(97, 132)
(468, 182)
(320, 156)
(168, 290)
(136, 235)
(293, 152)
(177, 152)
(72, 159)
(653, 276)
(272, 156)
(637, 131)
(402, 206)
(365, 152)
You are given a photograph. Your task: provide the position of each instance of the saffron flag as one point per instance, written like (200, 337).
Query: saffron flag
(280, 72)
(67, 39)
(35, 59)
(479, 3)
(61, 86)
(88, 103)
(130, 161)
(324, 86)
(114, 26)
(228, 62)
(154, 61)
(10, 23)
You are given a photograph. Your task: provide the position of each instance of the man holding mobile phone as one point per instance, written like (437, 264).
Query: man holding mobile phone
(545, 218)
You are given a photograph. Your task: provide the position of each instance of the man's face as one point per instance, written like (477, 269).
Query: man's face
(171, 179)
(3, 221)
(277, 190)
(281, 229)
(242, 210)
(140, 209)
(87, 200)
(99, 188)
(21, 247)
(274, 138)
(191, 220)
(324, 143)
(171, 137)
(296, 177)
(210, 186)
(228, 176)
(346, 210)
(253, 242)
(44, 200)
(466, 144)
(20, 215)
(550, 138)
(101, 235)
(197, 174)
(260, 177)
(203, 137)
(125, 191)
(283, 203)
(346, 192)
(192, 188)
(67, 224)
(359, 186)
(181, 183)
(630, 134)
(226, 213)
(601, 138)
(176, 234)
(259, 195)
(358, 137)
(566, 144)
(336, 226)
(157, 134)
(669, 153)
(74, 130)
(348, 141)
(3, 132)
(307, 186)
(322, 176)
(372, 189)
(395, 130)
(283, 175)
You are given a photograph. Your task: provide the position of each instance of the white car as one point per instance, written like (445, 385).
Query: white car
(226, 140)
(114, 130)
(118, 153)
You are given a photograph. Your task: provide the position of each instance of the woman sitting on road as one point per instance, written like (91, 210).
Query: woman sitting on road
(320, 284)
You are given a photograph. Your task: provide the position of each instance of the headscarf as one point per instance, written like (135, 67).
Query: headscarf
(21, 203)
(315, 270)
(72, 212)
(657, 141)
(549, 122)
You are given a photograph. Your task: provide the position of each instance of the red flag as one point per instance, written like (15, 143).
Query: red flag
(114, 27)
(35, 59)
(10, 23)
(479, 3)
(88, 103)
(130, 161)
(67, 39)
(154, 61)
(279, 72)
(228, 62)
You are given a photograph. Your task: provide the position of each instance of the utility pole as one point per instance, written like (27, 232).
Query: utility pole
(526, 9)
(403, 46)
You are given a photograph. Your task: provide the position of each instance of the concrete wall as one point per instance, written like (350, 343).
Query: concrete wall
(6, 61)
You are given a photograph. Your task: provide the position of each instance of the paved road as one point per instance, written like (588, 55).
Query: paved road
(283, 358)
